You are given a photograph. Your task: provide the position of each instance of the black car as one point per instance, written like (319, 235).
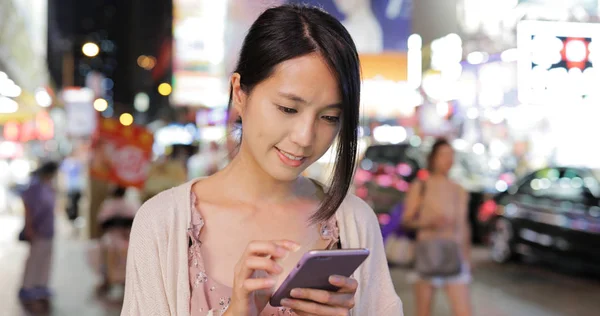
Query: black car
(384, 174)
(552, 214)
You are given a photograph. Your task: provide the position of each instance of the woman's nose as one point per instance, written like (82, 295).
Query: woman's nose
(304, 133)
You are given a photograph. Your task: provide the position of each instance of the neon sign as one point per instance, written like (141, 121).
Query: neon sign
(557, 61)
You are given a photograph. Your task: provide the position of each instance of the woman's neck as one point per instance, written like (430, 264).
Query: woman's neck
(248, 182)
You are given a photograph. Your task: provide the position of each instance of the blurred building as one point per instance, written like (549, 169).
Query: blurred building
(132, 40)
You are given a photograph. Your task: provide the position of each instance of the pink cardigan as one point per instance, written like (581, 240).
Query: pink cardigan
(157, 279)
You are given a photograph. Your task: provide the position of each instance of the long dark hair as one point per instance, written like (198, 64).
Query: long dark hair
(439, 143)
(290, 31)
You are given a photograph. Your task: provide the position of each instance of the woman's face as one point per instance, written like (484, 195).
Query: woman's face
(444, 159)
(291, 118)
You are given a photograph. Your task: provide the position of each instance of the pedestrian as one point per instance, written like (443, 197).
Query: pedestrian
(115, 217)
(219, 245)
(39, 200)
(437, 209)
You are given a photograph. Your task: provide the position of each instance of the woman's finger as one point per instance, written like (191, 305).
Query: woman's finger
(302, 307)
(346, 285)
(345, 300)
(262, 263)
(265, 248)
(252, 285)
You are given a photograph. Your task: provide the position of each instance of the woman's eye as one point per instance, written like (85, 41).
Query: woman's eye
(331, 119)
(287, 110)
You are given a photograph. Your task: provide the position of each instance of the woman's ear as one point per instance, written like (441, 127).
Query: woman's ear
(238, 95)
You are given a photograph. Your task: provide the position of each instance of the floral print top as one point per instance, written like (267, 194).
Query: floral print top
(208, 297)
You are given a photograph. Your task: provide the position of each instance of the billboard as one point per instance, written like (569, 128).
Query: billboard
(198, 68)
(375, 25)
(121, 154)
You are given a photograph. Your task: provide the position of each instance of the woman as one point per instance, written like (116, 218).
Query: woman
(221, 245)
(437, 209)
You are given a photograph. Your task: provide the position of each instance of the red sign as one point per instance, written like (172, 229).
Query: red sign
(121, 154)
(42, 128)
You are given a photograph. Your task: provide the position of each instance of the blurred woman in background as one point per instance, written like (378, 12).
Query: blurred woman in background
(437, 209)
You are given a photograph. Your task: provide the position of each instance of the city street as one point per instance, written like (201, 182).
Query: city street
(516, 289)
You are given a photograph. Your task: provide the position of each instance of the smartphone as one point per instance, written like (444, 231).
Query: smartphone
(314, 269)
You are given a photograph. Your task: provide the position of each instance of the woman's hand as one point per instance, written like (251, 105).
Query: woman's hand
(251, 288)
(310, 302)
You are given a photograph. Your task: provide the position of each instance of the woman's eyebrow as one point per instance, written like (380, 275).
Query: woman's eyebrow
(298, 99)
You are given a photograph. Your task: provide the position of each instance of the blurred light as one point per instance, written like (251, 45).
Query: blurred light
(498, 147)
(402, 185)
(78, 95)
(404, 169)
(423, 174)
(384, 219)
(501, 186)
(141, 102)
(476, 58)
(108, 113)
(510, 55)
(495, 164)
(90, 49)
(384, 180)
(576, 183)
(452, 72)
(100, 105)
(126, 119)
(415, 61)
(459, 144)
(8, 106)
(20, 168)
(177, 134)
(535, 184)
(9, 88)
(389, 134)
(108, 84)
(44, 125)
(8, 149)
(472, 113)
(565, 183)
(366, 164)
(151, 62)
(415, 141)
(415, 41)
(479, 149)
(496, 116)
(43, 98)
(361, 131)
(454, 40)
(487, 209)
(545, 184)
(575, 50)
(442, 108)
(165, 89)
(146, 62)
(590, 182)
(11, 131)
(142, 61)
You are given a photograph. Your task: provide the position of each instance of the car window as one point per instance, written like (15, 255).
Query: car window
(551, 183)
(538, 183)
(386, 154)
(397, 156)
